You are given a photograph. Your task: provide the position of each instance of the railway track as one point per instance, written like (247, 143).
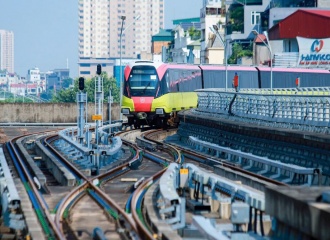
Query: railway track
(41, 212)
(209, 162)
(87, 203)
(121, 187)
(155, 137)
(66, 226)
(100, 202)
(111, 185)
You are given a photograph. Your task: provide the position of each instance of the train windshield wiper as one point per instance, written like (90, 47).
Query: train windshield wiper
(144, 90)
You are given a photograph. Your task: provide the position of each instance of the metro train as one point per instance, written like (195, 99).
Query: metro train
(154, 92)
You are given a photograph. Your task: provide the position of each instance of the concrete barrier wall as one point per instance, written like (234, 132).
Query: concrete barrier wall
(51, 112)
(36, 172)
(241, 177)
(164, 230)
(59, 171)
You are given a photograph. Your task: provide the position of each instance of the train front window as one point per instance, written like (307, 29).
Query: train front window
(143, 81)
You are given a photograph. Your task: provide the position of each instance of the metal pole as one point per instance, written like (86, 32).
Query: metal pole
(271, 71)
(226, 64)
(120, 72)
(224, 42)
(271, 61)
(121, 81)
(110, 102)
(255, 32)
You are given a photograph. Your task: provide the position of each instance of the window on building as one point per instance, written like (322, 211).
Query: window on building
(255, 18)
(293, 3)
(213, 11)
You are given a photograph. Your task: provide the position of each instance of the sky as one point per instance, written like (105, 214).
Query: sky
(46, 31)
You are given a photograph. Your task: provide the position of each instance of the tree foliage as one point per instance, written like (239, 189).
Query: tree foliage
(238, 51)
(7, 97)
(237, 19)
(69, 95)
(194, 33)
(67, 82)
(47, 94)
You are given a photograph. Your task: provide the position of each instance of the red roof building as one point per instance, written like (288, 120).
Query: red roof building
(261, 38)
(303, 23)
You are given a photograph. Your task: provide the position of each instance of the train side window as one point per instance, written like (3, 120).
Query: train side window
(164, 85)
(166, 80)
(174, 78)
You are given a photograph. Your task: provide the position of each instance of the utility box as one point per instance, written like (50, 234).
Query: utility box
(183, 177)
(239, 213)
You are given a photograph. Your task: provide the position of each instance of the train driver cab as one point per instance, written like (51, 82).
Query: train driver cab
(142, 81)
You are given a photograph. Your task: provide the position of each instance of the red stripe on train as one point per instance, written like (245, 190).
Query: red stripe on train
(127, 71)
(142, 104)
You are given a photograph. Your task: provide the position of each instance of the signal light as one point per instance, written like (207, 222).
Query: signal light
(81, 83)
(99, 69)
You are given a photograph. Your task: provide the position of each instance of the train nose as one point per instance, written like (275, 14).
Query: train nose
(141, 115)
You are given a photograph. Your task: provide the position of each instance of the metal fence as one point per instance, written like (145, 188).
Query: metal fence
(307, 109)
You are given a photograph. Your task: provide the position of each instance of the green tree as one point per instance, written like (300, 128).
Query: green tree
(66, 82)
(17, 99)
(70, 94)
(65, 95)
(47, 95)
(238, 51)
(237, 19)
(7, 97)
(194, 33)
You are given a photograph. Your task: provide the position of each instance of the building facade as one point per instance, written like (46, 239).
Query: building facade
(55, 79)
(24, 89)
(302, 45)
(102, 23)
(212, 13)
(160, 40)
(7, 51)
(226, 22)
(33, 75)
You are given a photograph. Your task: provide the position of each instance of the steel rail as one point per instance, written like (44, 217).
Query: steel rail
(223, 163)
(235, 168)
(49, 218)
(89, 184)
(142, 229)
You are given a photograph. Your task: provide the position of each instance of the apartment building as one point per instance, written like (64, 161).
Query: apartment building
(103, 23)
(7, 50)
(33, 75)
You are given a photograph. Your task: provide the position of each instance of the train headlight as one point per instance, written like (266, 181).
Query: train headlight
(125, 111)
(159, 111)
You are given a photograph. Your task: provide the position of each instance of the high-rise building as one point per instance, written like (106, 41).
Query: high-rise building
(7, 50)
(101, 23)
